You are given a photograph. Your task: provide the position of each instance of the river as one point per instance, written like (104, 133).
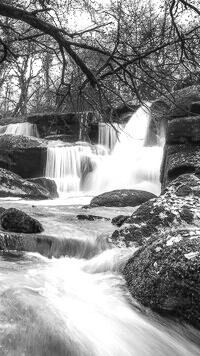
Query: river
(79, 305)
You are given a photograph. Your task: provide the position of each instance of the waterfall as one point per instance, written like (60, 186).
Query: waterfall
(107, 134)
(68, 165)
(24, 129)
(131, 165)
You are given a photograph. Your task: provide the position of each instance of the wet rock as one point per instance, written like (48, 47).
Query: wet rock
(48, 184)
(119, 220)
(165, 274)
(23, 155)
(183, 130)
(167, 211)
(90, 217)
(17, 221)
(123, 197)
(12, 185)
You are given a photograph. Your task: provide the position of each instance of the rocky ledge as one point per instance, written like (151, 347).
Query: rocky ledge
(12, 185)
(164, 272)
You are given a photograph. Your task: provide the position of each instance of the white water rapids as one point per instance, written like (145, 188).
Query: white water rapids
(79, 306)
(131, 165)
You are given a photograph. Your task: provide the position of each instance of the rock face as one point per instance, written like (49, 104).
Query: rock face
(15, 220)
(177, 104)
(163, 273)
(122, 197)
(23, 155)
(12, 185)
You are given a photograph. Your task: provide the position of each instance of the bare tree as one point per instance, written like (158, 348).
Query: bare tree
(130, 49)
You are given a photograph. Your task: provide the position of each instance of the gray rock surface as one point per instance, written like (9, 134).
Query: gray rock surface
(15, 220)
(12, 185)
(122, 197)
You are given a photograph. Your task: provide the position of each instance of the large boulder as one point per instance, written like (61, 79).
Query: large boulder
(163, 273)
(12, 185)
(179, 205)
(15, 220)
(48, 184)
(122, 197)
(23, 155)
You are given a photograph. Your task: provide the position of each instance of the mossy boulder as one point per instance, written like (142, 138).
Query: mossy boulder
(179, 205)
(15, 220)
(165, 274)
(121, 198)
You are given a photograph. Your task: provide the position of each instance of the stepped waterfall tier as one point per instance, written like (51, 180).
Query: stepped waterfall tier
(24, 129)
(68, 165)
(108, 134)
(131, 164)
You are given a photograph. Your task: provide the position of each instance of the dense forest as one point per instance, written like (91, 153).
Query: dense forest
(76, 55)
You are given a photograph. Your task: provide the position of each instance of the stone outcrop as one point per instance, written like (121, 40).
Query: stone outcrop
(48, 184)
(163, 273)
(15, 220)
(122, 197)
(23, 155)
(176, 104)
(12, 185)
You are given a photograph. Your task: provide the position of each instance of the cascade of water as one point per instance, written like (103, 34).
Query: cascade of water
(107, 135)
(132, 164)
(68, 165)
(23, 128)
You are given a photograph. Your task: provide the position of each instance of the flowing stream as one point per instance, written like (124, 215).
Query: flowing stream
(24, 129)
(76, 302)
(79, 305)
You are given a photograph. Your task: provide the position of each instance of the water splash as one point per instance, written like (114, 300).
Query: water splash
(68, 165)
(24, 129)
(132, 164)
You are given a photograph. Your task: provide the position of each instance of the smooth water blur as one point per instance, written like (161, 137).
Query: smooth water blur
(67, 307)
(79, 306)
(24, 129)
(132, 165)
(68, 164)
(108, 134)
